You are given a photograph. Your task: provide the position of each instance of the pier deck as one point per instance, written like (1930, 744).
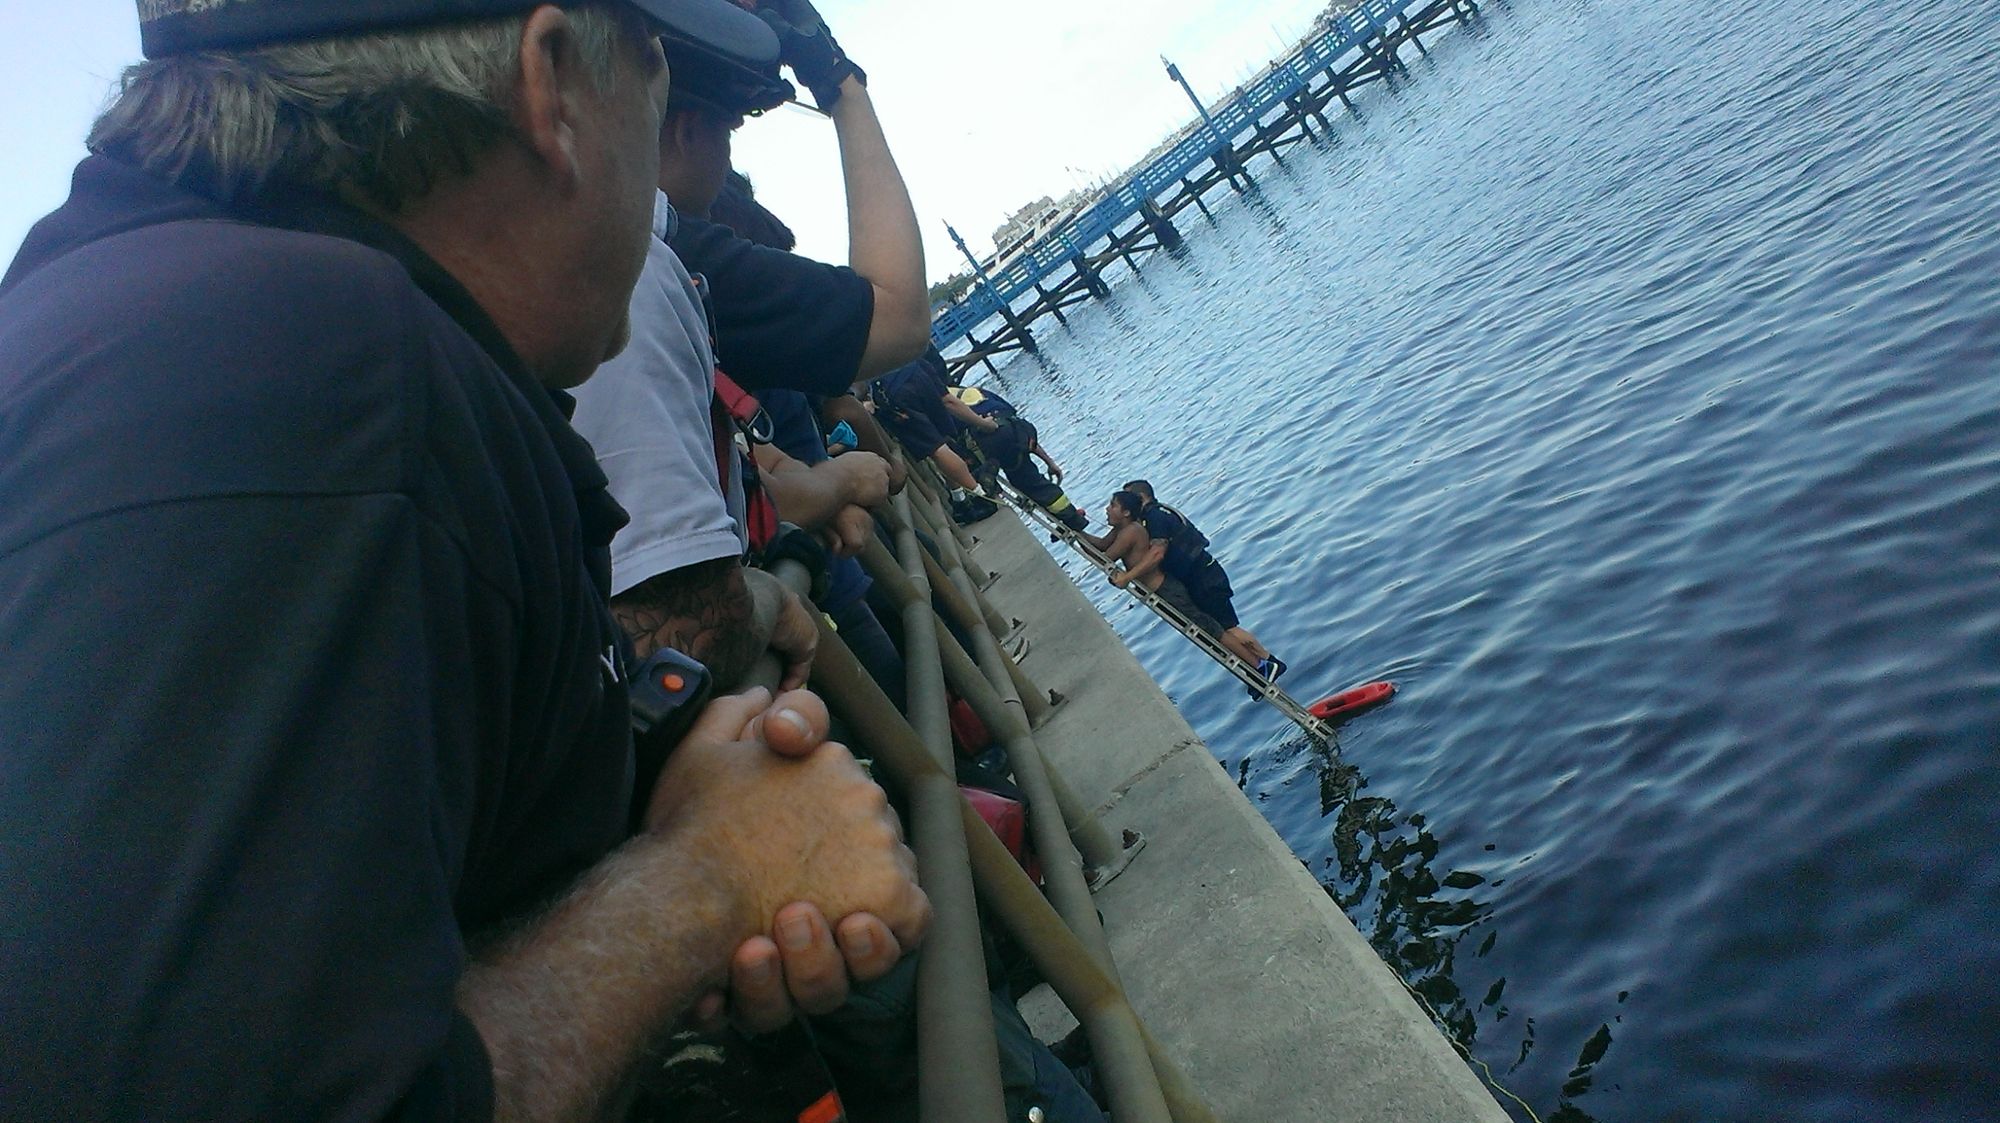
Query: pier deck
(1235, 957)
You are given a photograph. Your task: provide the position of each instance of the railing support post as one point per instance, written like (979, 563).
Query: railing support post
(974, 613)
(953, 1014)
(1088, 992)
(1104, 857)
(1137, 1095)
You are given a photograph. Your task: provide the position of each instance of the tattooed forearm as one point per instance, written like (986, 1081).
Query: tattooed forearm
(703, 611)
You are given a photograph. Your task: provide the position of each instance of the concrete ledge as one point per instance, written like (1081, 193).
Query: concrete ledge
(1232, 953)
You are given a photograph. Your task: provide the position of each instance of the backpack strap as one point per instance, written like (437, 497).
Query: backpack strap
(731, 411)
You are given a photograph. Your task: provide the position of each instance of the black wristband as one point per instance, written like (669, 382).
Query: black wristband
(826, 91)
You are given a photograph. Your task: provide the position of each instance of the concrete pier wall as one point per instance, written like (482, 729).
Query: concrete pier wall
(1237, 959)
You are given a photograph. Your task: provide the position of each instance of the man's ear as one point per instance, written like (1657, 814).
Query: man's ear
(553, 92)
(680, 133)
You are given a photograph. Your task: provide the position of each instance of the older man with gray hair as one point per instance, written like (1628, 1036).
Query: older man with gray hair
(317, 786)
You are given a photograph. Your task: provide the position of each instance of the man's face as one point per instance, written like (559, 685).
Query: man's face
(617, 197)
(706, 150)
(1115, 514)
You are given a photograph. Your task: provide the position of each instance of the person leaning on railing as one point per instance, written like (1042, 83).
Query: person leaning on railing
(315, 761)
(869, 1044)
(796, 435)
(663, 417)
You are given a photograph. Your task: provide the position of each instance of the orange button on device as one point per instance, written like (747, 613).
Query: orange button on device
(826, 1109)
(672, 682)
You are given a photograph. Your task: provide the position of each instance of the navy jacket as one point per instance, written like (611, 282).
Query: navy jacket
(310, 677)
(781, 320)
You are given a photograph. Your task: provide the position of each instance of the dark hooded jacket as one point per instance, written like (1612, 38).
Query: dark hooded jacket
(310, 677)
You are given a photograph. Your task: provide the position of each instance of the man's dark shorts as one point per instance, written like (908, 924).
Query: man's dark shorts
(1176, 595)
(916, 416)
(918, 433)
(1210, 591)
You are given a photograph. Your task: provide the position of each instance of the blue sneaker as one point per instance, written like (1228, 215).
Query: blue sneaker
(1268, 669)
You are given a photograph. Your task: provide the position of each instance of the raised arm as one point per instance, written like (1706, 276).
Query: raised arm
(884, 245)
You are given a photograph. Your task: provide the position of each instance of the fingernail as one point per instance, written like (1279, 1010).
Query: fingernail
(861, 943)
(761, 970)
(794, 719)
(796, 933)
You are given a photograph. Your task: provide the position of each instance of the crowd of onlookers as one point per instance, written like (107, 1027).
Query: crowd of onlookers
(407, 390)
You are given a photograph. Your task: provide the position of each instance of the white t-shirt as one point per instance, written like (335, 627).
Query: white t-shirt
(646, 412)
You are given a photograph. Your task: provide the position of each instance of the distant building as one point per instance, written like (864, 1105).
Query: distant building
(1025, 224)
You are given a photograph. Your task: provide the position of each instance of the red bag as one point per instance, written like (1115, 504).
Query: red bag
(1009, 820)
(968, 733)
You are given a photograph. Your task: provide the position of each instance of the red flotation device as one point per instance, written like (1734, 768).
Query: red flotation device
(1347, 703)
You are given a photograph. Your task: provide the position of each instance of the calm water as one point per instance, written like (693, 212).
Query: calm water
(1625, 388)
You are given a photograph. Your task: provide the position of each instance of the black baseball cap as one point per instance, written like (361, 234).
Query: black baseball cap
(705, 77)
(171, 27)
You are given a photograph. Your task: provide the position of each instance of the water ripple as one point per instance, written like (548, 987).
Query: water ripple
(1623, 386)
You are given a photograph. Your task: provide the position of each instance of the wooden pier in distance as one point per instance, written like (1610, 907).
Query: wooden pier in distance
(1284, 106)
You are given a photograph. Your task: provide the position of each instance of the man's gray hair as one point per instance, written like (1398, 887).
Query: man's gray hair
(386, 114)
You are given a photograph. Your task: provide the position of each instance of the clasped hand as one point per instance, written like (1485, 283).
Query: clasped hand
(802, 848)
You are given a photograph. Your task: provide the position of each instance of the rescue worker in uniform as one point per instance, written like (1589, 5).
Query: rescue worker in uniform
(1127, 542)
(1180, 550)
(1013, 447)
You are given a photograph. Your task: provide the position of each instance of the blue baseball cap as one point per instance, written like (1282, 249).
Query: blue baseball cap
(171, 27)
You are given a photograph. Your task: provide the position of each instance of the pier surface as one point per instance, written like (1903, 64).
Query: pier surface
(1234, 956)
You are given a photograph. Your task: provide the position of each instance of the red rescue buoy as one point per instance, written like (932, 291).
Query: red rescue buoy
(1350, 702)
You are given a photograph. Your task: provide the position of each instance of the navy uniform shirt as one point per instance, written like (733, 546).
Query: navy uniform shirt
(310, 678)
(1161, 526)
(781, 320)
(910, 405)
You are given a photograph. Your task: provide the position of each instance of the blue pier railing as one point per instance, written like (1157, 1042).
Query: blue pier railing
(1054, 251)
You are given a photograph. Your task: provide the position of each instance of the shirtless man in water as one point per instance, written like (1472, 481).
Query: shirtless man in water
(1128, 542)
(1163, 552)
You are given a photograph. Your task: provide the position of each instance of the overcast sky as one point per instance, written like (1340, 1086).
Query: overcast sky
(986, 105)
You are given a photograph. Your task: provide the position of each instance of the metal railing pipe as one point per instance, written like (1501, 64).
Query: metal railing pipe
(1105, 857)
(953, 1014)
(1141, 1100)
(1089, 993)
(936, 520)
(964, 604)
(953, 559)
